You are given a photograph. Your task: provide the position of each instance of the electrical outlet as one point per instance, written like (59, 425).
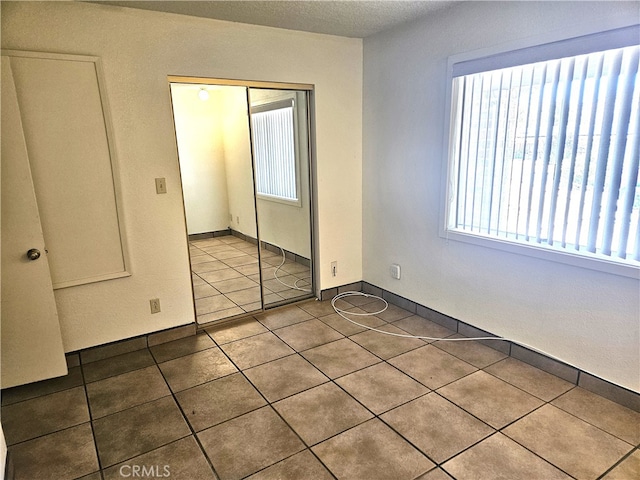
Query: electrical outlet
(154, 303)
(238, 220)
(161, 185)
(395, 271)
(334, 269)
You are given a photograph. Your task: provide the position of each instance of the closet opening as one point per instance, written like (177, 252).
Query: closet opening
(245, 160)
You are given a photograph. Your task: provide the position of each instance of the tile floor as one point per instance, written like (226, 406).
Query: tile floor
(226, 278)
(300, 393)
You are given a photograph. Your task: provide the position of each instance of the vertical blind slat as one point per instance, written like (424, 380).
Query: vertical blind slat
(589, 149)
(632, 184)
(562, 139)
(534, 156)
(524, 152)
(547, 151)
(494, 155)
(618, 151)
(603, 151)
(574, 150)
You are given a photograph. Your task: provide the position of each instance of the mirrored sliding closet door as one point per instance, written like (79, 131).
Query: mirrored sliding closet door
(245, 166)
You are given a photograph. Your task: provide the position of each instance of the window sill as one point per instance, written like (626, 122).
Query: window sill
(549, 254)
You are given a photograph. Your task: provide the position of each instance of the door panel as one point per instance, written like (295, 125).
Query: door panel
(31, 341)
(280, 139)
(64, 119)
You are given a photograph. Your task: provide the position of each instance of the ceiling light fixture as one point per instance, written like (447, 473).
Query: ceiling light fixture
(203, 94)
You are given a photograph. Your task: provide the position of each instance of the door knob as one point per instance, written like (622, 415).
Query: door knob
(33, 254)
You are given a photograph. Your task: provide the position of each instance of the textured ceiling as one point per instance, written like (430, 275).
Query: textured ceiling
(347, 18)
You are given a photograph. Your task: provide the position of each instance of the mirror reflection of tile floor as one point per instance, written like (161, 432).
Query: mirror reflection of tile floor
(299, 393)
(226, 278)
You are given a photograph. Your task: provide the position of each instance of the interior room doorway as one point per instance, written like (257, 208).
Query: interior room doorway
(245, 165)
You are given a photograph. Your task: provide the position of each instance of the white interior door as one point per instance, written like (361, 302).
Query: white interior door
(31, 342)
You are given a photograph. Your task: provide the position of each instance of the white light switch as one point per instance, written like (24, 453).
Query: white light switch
(161, 185)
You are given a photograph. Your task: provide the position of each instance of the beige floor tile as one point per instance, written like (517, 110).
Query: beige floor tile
(245, 297)
(250, 269)
(372, 451)
(195, 369)
(112, 366)
(346, 327)
(42, 415)
(251, 351)
(181, 347)
(431, 366)
(63, 455)
(381, 387)
(317, 308)
(271, 283)
(195, 253)
(321, 412)
(471, 352)
(391, 314)
(490, 399)
(241, 260)
(138, 430)
(571, 444)
(226, 254)
(246, 444)
(500, 457)
(45, 387)
(435, 474)
(340, 358)
(628, 469)
(307, 334)
(437, 427)
(303, 465)
(284, 377)
(530, 379)
(235, 331)
(211, 267)
(219, 315)
(204, 290)
(386, 346)
(416, 325)
(181, 459)
(605, 414)
(233, 285)
(213, 304)
(218, 401)
(124, 391)
(283, 317)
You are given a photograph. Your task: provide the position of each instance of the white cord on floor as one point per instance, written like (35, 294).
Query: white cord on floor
(275, 274)
(341, 312)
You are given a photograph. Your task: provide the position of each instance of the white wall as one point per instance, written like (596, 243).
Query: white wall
(237, 154)
(586, 318)
(201, 150)
(139, 49)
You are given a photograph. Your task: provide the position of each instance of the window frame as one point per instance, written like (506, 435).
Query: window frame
(277, 103)
(576, 43)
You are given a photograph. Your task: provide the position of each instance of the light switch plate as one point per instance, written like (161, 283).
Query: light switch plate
(161, 185)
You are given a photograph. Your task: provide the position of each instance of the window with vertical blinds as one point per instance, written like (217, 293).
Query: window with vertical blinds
(545, 153)
(274, 150)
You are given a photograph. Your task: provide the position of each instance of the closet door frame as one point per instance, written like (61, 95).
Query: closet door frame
(313, 213)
